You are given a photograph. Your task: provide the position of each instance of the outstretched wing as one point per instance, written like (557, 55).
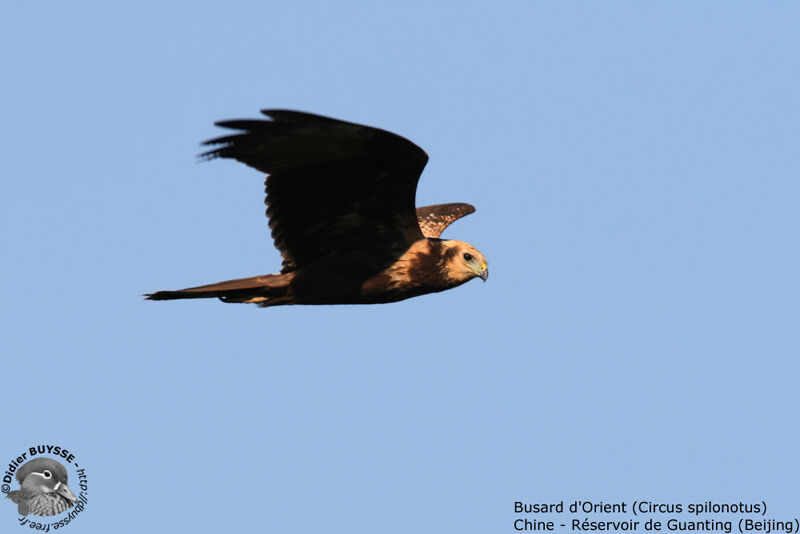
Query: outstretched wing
(434, 219)
(332, 185)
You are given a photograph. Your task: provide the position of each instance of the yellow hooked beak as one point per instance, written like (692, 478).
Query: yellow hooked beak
(484, 272)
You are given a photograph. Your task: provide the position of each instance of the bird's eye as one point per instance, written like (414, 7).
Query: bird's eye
(468, 256)
(46, 474)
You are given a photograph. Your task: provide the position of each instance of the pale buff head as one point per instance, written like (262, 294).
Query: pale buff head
(464, 262)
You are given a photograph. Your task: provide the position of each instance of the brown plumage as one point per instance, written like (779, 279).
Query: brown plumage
(340, 203)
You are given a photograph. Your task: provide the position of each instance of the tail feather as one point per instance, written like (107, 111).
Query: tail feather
(268, 288)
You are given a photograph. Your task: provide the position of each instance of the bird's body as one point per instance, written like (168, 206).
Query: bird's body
(340, 203)
(352, 277)
(44, 504)
(43, 488)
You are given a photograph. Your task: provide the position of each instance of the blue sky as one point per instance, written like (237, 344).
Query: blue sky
(635, 170)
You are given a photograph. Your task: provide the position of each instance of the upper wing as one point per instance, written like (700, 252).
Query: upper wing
(332, 185)
(434, 219)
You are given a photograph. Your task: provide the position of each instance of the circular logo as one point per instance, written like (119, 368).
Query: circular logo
(44, 474)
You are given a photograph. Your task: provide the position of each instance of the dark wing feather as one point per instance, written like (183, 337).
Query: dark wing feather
(332, 185)
(434, 219)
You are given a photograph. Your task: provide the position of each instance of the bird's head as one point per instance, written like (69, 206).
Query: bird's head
(44, 475)
(464, 262)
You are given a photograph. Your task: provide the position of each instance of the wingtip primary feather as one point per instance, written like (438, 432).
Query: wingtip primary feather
(172, 295)
(248, 125)
(158, 295)
(288, 115)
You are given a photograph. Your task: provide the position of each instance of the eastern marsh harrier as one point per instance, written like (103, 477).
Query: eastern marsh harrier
(341, 207)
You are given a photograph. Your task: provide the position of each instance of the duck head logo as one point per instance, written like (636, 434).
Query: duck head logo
(44, 490)
(43, 487)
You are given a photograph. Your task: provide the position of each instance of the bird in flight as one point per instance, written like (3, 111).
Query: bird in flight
(341, 207)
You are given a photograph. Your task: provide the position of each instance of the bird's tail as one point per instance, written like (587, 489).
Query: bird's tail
(265, 290)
